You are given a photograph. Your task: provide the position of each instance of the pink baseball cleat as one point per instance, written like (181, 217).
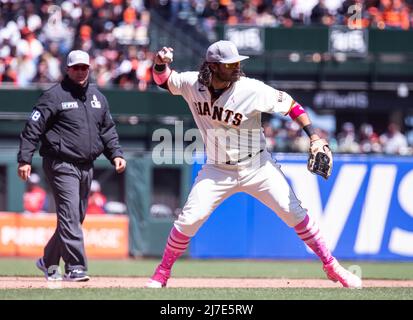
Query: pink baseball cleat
(159, 278)
(336, 272)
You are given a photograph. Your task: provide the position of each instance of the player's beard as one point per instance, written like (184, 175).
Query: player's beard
(229, 77)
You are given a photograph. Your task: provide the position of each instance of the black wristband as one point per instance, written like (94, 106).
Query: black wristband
(160, 67)
(309, 130)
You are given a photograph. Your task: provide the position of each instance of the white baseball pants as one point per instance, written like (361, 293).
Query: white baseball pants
(264, 181)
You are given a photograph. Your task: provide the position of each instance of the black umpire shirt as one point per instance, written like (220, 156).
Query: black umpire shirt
(73, 123)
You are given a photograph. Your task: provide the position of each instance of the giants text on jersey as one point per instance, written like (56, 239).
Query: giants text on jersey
(235, 116)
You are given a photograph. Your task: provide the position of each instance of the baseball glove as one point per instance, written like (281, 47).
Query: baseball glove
(320, 160)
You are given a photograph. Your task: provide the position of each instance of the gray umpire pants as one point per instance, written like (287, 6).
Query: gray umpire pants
(70, 184)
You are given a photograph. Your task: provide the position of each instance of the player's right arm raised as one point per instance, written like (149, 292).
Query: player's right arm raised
(161, 70)
(177, 83)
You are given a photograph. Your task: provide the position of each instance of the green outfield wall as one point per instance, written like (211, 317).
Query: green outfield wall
(154, 102)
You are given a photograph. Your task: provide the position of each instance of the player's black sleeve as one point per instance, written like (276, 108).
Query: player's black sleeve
(109, 136)
(35, 126)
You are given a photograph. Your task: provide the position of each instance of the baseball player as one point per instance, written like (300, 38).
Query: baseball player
(227, 109)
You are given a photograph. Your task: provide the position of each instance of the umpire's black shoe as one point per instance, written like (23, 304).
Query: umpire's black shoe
(76, 275)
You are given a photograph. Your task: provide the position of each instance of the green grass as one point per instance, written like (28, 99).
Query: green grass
(214, 268)
(219, 268)
(209, 294)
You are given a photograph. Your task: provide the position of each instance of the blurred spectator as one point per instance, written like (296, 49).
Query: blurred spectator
(265, 17)
(395, 14)
(102, 74)
(346, 139)
(133, 29)
(26, 70)
(293, 135)
(143, 69)
(269, 134)
(43, 75)
(320, 14)
(7, 74)
(97, 200)
(35, 197)
(393, 141)
(84, 41)
(29, 46)
(332, 141)
(29, 18)
(369, 140)
(53, 61)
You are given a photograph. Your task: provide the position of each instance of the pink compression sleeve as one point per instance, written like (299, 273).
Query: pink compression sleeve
(296, 111)
(161, 77)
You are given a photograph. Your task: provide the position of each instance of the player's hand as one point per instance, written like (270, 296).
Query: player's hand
(24, 170)
(164, 56)
(120, 164)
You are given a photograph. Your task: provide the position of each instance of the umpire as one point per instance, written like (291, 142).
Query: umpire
(73, 122)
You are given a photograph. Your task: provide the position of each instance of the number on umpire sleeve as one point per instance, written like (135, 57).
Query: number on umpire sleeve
(35, 115)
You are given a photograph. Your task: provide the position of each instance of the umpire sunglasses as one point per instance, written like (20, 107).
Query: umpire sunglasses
(82, 67)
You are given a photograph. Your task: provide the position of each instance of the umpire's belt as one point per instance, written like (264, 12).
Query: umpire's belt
(245, 158)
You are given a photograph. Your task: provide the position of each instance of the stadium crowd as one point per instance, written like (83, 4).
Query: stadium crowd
(35, 37)
(206, 14)
(286, 136)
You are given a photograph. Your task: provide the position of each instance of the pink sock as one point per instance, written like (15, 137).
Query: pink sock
(309, 232)
(176, 245)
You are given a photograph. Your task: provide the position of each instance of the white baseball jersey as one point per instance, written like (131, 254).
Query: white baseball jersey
(231, 127)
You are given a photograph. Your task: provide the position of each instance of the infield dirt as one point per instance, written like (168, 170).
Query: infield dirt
(139, 282)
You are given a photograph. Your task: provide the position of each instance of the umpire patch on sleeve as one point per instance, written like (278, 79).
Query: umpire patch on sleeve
(35, 115)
